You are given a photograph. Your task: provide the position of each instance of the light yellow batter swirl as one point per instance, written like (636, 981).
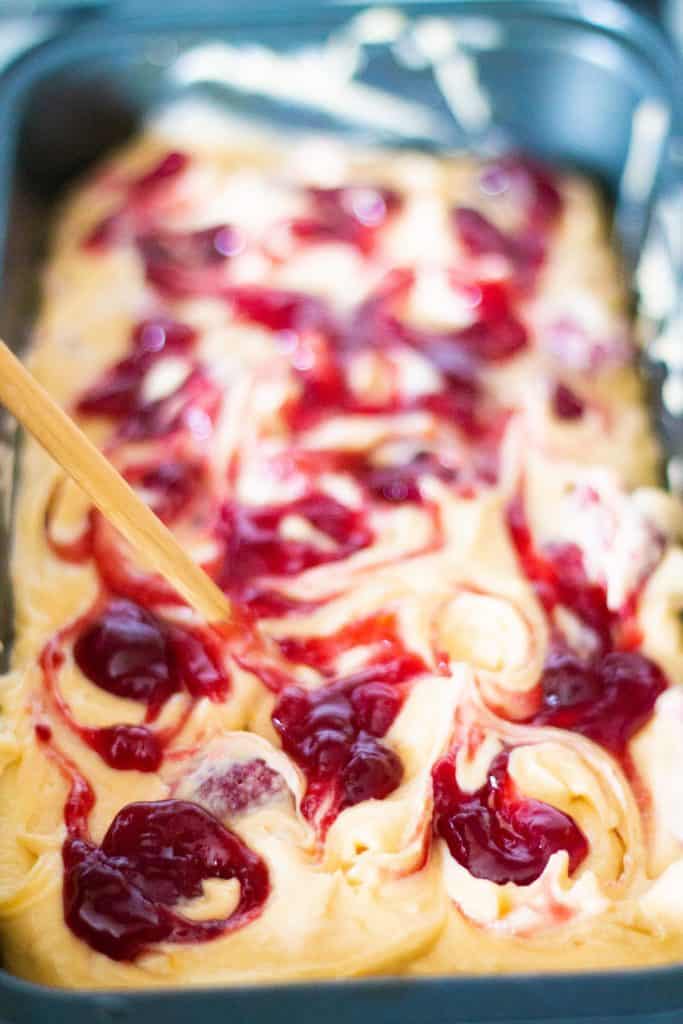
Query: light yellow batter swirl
(379, 892)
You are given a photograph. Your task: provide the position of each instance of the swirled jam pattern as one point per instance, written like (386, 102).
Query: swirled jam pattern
(388, 402)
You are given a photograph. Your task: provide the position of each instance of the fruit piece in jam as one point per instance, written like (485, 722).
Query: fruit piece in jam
(496, 833)
(120, 897)
(334, 734)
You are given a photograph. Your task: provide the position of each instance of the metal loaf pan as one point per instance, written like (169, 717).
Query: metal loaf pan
(588, 84)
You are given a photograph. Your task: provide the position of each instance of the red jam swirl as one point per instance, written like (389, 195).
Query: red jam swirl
(353, 214)
(132, 653)
(609, 694)
(183, 264)
(497, 834)
(137, 206)
(322, 375)
(76, 550)
(170, 485)
(192, 408)
(533, 186)
(254, 547)
(608, 699)
(120, 896)
(334, 734)
(118, 392)
(378, 632)
(525, 252)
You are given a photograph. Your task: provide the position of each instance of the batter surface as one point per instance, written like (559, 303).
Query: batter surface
(388, 401)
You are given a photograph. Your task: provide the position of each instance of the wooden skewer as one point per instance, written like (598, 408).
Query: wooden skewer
(29, 403)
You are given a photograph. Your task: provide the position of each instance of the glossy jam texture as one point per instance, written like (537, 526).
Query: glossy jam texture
(119, 896)
(608, 699)
(130, 652)
(609, 693)
(126, 894)
(497, 834)
(254, 545)
(334, 732)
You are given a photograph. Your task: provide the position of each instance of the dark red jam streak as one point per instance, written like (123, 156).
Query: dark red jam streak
(181, 264)
(353, 214)
(119, 393)
(398, 482)
(141, 195)
(131, 653)
(458, 355)
(118, 571)
(496, 833)
(170, 485)
(253, 547)
(333, 733)
(567, 405)
(119, 896)
(533, 187)
(379, 631)
(609, 695)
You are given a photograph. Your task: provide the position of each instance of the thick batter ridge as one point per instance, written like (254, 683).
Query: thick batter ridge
(389, 402)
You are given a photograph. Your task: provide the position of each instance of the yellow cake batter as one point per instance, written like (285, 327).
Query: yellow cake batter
(376, 889)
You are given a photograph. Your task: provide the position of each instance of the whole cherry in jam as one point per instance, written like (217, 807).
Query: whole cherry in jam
(496, 833)
(131, 653)
(334, 735)
(126, 652)
(608, 694)
(120, 897)
(126, 747)
(607, 698)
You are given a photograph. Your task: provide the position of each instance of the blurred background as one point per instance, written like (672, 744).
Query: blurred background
(23, 22)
